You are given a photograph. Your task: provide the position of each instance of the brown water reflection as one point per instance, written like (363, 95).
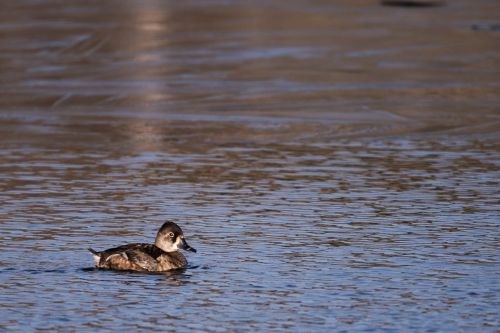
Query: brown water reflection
(319, 60)
(335, 164)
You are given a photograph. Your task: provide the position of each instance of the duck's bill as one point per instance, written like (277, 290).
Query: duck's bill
(185, 246)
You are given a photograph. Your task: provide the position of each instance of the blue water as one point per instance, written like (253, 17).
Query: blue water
(348, 237)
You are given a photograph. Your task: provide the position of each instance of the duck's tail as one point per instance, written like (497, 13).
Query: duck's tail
(94, 252)
(96, 255)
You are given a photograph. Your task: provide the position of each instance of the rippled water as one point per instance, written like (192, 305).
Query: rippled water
(335, 166)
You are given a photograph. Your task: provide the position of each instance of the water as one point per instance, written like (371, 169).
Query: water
(335, 166)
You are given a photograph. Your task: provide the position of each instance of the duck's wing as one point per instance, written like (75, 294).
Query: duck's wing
(130, 257)
(142, 259)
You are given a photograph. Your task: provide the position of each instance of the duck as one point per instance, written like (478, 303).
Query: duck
(163, 255)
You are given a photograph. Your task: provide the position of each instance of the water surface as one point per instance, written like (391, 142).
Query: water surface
(335, 165)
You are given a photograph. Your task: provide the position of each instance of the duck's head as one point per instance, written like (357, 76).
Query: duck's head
(170, 238)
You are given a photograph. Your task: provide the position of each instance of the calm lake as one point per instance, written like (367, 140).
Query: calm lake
(335, 163)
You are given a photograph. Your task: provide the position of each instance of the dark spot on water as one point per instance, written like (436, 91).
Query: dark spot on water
(89, 269)
(493, 27)
(337, 243)
(41, 271)
(6, 270)
(412, 3)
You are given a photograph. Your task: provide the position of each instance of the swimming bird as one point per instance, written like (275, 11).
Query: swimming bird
(161, 256)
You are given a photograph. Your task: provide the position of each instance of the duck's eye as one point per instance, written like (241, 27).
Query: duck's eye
(171, 234)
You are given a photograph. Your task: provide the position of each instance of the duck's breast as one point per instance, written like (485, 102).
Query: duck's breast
(171, 260)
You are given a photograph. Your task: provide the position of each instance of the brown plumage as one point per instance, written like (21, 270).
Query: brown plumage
(158, 257)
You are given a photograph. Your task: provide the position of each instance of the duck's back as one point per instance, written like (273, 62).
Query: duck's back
(139, 257)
